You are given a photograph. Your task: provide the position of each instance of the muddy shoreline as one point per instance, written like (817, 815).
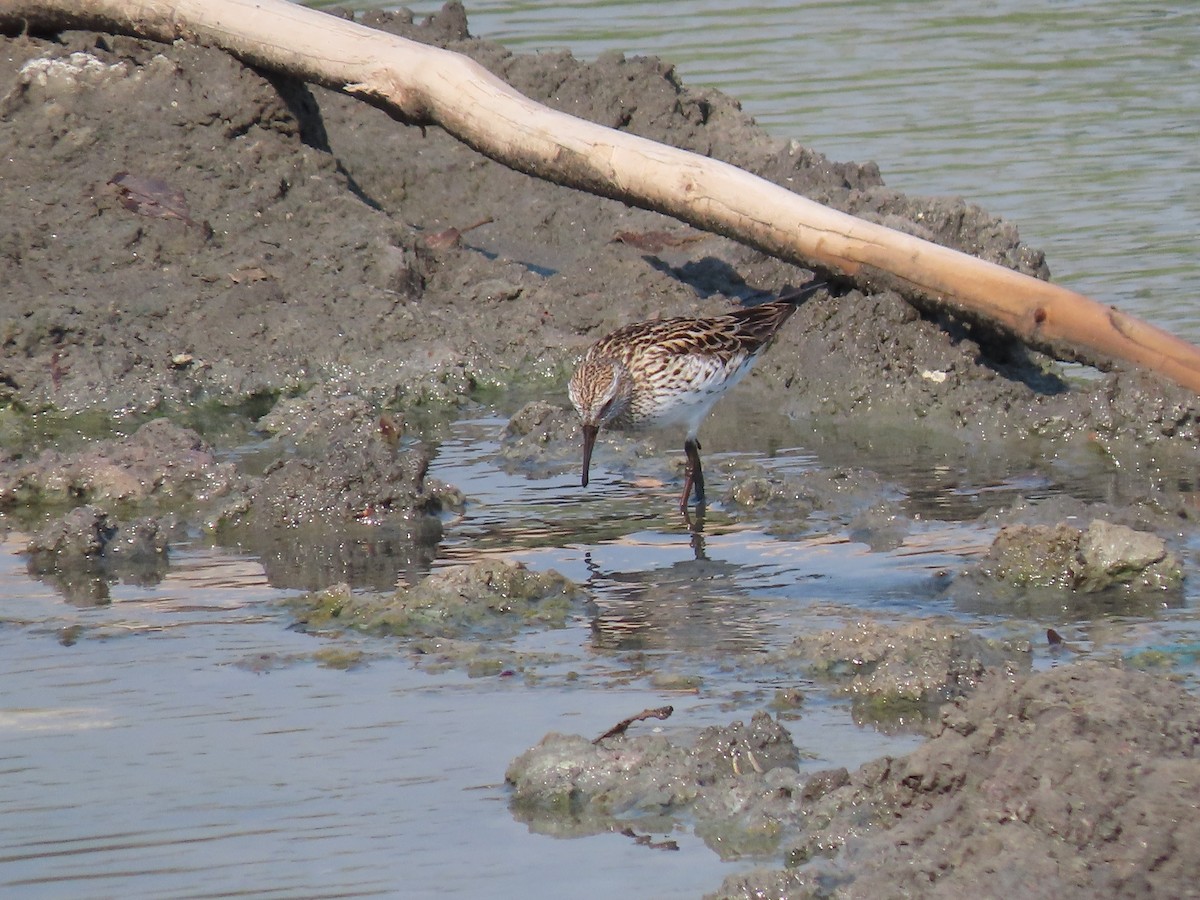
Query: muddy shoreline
(280, 273)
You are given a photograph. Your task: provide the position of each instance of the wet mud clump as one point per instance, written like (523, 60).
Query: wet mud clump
(893, 670)
(539, 440)
(736, 782)
(461, 618)
(1019, 792)
(135, 491)
(486, 599)
(86, 550)
(162, 464)
(346, 496)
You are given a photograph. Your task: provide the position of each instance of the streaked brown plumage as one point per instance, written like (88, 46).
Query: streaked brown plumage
(671, 371)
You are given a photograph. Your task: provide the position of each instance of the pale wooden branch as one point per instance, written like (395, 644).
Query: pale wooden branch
(426, 85)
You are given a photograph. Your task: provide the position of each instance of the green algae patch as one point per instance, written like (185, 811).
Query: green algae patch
(1035, 556)
(493, 597)
(340, 658)
(24, 434)
(160, 465)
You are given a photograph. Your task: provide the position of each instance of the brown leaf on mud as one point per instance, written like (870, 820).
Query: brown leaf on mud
(451, 237)
(661, 712)
(152, 197)
(655, 241)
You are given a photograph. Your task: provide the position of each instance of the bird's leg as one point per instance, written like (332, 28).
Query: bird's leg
(693, 474)
(696, 530)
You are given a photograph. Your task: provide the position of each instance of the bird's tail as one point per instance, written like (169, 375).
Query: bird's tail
(756, 325)
(801, 293)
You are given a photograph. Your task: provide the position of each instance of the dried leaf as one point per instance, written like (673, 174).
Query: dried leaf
(151, 197)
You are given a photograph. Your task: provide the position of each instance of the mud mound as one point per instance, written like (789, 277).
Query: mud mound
(1078, 782)
(294, 239)
(86, 550)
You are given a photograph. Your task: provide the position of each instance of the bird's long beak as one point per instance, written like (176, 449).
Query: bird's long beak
(589, 441)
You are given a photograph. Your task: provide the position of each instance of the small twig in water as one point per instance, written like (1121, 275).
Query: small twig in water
(451, 236)
(646, 841)
(661, 712)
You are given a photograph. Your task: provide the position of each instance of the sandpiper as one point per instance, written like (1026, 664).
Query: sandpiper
(671, 372)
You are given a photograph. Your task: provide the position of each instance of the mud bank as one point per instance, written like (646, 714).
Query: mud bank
(280, 261)
(303, 250)
(1016, 794)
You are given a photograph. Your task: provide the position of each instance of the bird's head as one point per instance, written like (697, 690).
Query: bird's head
(601, 391)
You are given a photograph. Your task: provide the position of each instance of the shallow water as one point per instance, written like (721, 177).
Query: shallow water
(182, 741)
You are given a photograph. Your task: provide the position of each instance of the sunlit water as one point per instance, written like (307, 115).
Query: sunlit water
(180, 741)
